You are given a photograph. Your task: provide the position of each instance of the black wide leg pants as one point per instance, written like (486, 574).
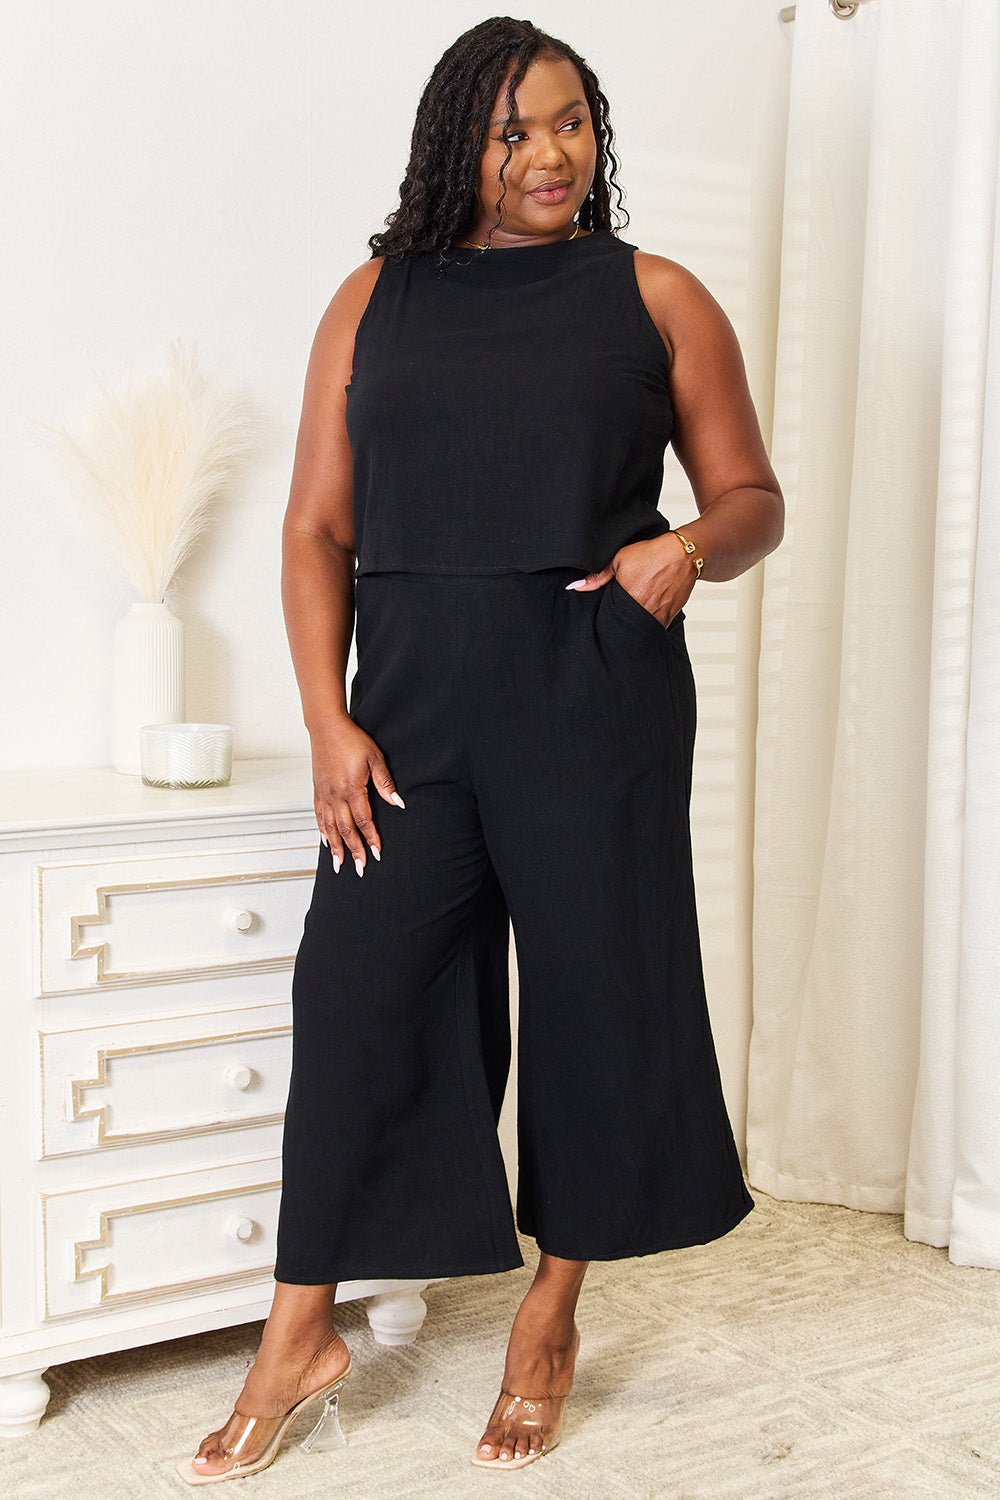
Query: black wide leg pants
(542, 741)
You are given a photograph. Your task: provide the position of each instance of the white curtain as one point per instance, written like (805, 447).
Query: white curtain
(876, 935)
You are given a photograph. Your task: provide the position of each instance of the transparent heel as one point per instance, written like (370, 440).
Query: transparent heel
(251, 1443)
(327, 1433)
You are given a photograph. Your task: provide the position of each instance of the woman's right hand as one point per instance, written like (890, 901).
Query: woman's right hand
(344, 757)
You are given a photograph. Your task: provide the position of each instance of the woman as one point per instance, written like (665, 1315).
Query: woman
(486, 410)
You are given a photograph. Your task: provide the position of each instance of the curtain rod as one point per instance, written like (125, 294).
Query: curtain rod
(842, 8)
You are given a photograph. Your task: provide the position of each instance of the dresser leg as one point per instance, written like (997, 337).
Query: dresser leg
(395, 1317)
(23, 1399)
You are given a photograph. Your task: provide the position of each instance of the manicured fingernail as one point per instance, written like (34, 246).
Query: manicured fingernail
(325, 840)
(201, 1460)
(397, 799)
(359, 867)
(377, 852)
(337, 862)
(576, 583)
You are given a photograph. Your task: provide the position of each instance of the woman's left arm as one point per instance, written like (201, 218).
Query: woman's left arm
(716, 433)
(718, 441)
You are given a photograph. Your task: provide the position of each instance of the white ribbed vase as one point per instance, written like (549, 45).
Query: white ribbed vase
(148, 679)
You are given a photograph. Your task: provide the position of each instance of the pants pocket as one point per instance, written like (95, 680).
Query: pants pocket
(627, 608)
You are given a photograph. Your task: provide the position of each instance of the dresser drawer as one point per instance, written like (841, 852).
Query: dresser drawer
(169, 1236)
(107, 1086)
(141, 921)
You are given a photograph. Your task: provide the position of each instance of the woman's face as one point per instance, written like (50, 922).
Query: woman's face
(553, 158)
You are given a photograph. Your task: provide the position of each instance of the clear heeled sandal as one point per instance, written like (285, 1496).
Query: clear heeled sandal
(532, 1414)
(326, 1434)
(529, 1414)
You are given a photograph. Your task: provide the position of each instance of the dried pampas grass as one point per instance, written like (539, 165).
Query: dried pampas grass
(155, 454)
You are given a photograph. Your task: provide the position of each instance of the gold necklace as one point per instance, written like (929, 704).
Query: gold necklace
(572, 236)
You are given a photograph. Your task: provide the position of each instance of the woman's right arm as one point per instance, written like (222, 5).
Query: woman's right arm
(317, 583)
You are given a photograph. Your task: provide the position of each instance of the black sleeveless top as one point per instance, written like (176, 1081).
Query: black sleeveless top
(507, 410)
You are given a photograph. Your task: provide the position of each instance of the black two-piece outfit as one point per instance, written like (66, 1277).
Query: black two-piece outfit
(508, 412)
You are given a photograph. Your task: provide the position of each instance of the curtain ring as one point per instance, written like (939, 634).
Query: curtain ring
(844, 9)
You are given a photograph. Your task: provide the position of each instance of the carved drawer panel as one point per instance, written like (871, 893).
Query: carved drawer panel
(104, 1086)
(178, 916)
(175, 1235)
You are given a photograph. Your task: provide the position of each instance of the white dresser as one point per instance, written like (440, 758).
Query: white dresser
(148, 938)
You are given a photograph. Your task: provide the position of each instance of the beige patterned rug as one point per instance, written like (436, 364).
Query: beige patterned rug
(813, 1352)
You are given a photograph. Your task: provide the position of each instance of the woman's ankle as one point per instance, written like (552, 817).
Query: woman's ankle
(311, 1339)
(552, 1307)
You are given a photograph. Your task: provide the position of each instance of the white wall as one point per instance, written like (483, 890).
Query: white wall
(211, 170)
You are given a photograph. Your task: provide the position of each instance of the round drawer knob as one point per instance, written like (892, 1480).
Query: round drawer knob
(239, 1076)
(239, 1228)
(242, 921)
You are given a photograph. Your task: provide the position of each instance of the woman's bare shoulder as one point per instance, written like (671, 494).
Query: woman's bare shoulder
(669, 279)
(347, 305)
(363, 277)
(680, 305)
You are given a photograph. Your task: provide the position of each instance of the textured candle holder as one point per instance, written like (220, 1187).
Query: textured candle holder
(186, 755)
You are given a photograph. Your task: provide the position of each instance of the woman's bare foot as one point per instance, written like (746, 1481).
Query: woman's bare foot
(299, 1352)
(541, 1357)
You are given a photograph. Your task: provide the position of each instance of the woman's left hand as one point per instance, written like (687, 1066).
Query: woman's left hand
(658, 573)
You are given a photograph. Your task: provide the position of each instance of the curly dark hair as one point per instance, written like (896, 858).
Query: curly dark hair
(437, 197)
